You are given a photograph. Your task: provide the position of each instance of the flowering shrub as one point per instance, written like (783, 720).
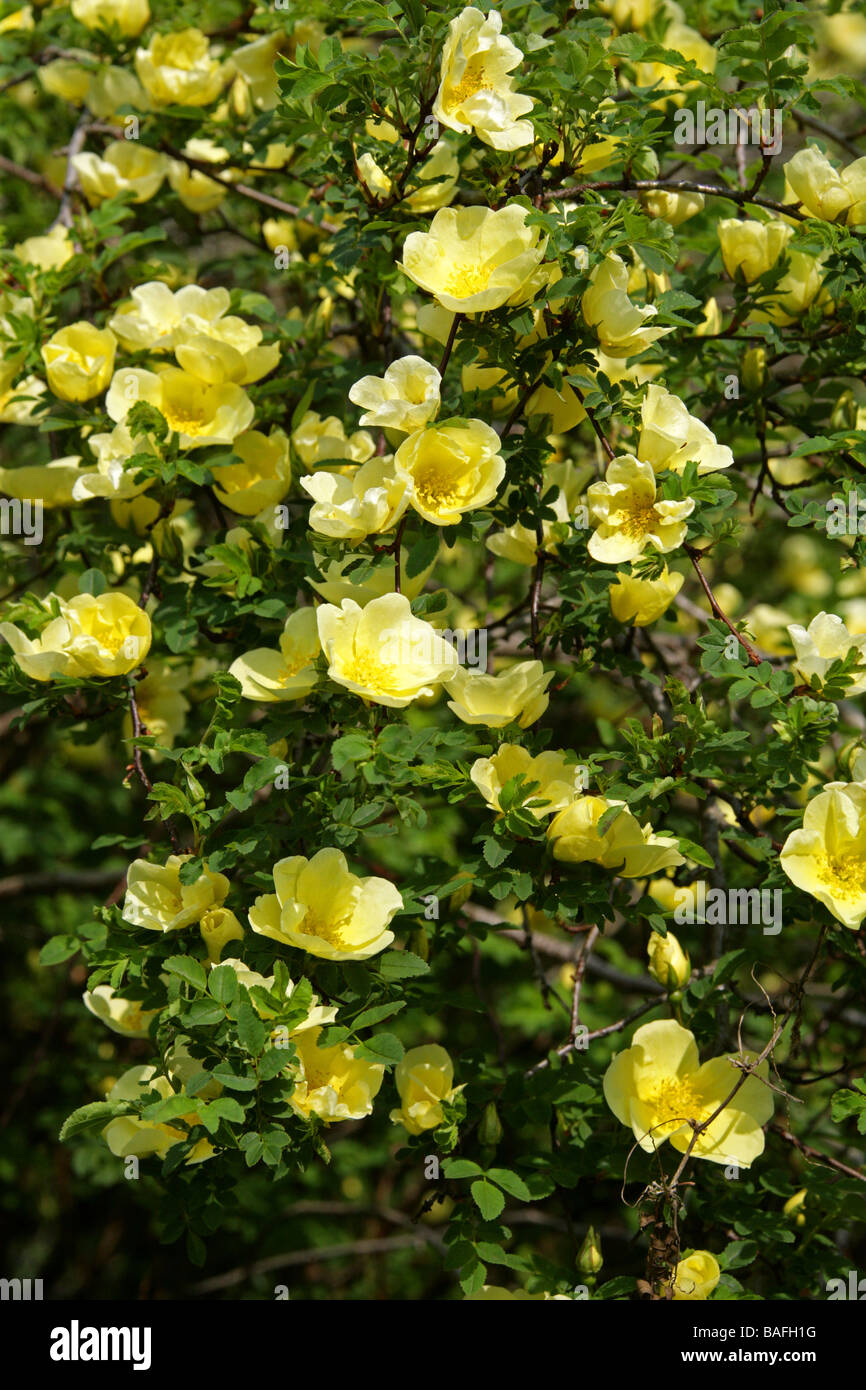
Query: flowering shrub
(434, 812)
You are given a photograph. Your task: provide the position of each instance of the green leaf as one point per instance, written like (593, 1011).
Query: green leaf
(461, 1168)
(382, 1047)
(512, 1183)
(488, 1199)
(224, 1108)
(57, 949)
(223, 984)
(402, 965)
(696, 853)
(378, 1013)
(92, 582)
(99, 1112)
(188, 969)
(252, 1033)
(495, 852)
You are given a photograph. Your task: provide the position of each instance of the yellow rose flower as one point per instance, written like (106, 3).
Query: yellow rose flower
(621, 326)
(695, 1277)
(179, 70)
(424, 1079)
(475, 91)
(48, 252)
(405, 398)
(156, 318)
(437, 177)
(367, 502)
(67, 79)
(670, 437)
(261, 479)
(626, 847)
(453, 469)
(112, 88)
(105, 636)
(322, 908)
(23, 404)
(711, 323)
(754, 248)
(196, 189)
(227, 349)
(628, 516)
(199, 412)
(217, 926)
(374, 176)
(825, 192)
(519, 693)
(332, 1082)
(112, 477)
(318, 1015)
(18, 21)
(53, 484)
(473, 259)
(157, 899)
(674, 208)
(558, 780)
(641, 601)
(79, 361)
(317, 441)
(382, 652)
(658, 1085)
(269, 675)
(124, 1016)
(127, 1135)
(126, 166)
(824, 641)
(668, 962)
(256, 63)
(751, 247)
(827, 857)
(129, 16)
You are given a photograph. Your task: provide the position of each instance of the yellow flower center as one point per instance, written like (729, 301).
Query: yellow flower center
(637, 518)
(436, 490)
(844, 875)
(319, 1076)
(366, 671)
(239, 476)
(469, 278)
(109, 635)
(292, 665)
(675, 1101)
(472, 81)
(185, 419)
(330, 930)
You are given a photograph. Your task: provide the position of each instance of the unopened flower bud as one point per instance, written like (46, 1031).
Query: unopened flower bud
(589, 1258)
(217, 927)
(844, 416)
(794, 1207)
(419, 943)
(668, 962)
(754, 369)
(490, 1128)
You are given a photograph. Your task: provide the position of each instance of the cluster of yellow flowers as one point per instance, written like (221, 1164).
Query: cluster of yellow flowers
(319, 907)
